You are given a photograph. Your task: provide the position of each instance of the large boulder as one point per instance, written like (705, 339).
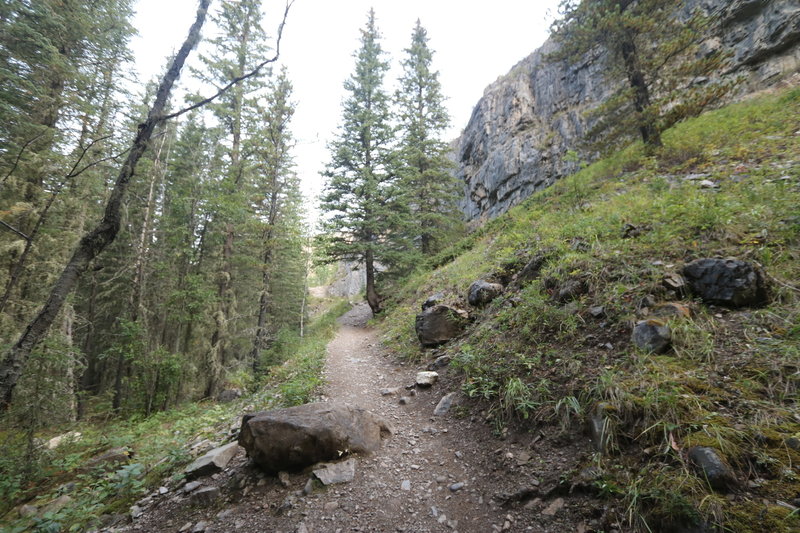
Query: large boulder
(730, 282)
(296, 437)
(439, 324)
(482, 292)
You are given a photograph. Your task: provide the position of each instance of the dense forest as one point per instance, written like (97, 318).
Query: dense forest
(205, 281)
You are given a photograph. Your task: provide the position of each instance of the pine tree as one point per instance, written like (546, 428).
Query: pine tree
(278, 186)
(238, 48)
(422, 157)
(650, 47)
(362, 197)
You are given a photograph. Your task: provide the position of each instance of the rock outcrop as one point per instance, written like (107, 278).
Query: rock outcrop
(523, 126)
(297, 437)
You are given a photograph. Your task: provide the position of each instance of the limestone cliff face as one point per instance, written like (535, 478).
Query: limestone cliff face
(521, 129)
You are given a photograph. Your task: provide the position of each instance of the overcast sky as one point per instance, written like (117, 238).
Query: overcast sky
(474, 41)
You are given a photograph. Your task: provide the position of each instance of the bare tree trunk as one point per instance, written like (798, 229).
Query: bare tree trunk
(96, 240)
(373, 299)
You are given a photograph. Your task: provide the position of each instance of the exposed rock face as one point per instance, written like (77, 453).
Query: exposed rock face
(482, 292)
(296, 437)
(729, 282)
(521, 129)
(439, 324)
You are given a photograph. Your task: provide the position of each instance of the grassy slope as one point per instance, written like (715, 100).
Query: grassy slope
(731, 381)
(161, 444)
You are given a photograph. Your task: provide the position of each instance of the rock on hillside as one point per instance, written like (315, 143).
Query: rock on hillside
(521, 129)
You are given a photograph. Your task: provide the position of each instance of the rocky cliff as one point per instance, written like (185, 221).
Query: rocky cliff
(520, 131)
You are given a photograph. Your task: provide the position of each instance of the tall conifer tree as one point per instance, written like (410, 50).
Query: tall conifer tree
(362, 197)
(422, 154)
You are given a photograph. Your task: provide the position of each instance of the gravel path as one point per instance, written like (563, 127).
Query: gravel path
(435, 474)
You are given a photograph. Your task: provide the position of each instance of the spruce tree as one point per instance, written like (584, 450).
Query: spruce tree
(362, 197)
(422, 160)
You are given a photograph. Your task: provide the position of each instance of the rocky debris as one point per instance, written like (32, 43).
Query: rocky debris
(440, 323)
(440, 362)
(672, 281)
(205, 496)
(729, 282)
(70, 436)
(433, 301)
(109, 460)
(652, 335)
(192, 485)
(443, 407)
(554, 507)
(301, 528)
(27, 510)
(284, 480)
(530, 271)
(600, 427)
(332, 473)
(390, 391)
(296, 437)
(213, 461)
(712, 467)
(426, 378)
(405, 485)
(404, 400)
(57, 504)
(629, 231)
(570, 290)
(482, 292)
(793, 443)
(228, 395)
(200, 527)
(455, 487)
(597, 311)
(669, 310)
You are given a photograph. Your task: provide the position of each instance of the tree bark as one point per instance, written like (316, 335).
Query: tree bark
(96, 240)
(373, 299)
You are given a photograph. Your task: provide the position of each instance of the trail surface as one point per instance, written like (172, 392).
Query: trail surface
(435, 474)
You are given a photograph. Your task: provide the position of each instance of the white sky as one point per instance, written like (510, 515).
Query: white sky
(474, 41)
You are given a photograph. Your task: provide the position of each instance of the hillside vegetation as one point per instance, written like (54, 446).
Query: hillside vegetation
(725, 184)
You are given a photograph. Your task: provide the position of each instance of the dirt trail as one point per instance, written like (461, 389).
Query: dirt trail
(435, 474)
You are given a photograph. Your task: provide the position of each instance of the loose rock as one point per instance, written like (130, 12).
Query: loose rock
(554, 507)
(332, 473)
(712, 467)
(426, 379)
(438, 324)
(440, 362)
(213, 461)
(433, 300)
(443, 407)
(652, 335)
(482, 292)
(228, 395)
(730, 282)
(205, 497)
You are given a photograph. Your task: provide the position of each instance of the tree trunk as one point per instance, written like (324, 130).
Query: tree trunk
(373, 299)
(96, 240)
(641, 95)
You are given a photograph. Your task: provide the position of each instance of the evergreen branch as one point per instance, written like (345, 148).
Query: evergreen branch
(14, 230)
(241, 78)
(84, 151)
(19, 156)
